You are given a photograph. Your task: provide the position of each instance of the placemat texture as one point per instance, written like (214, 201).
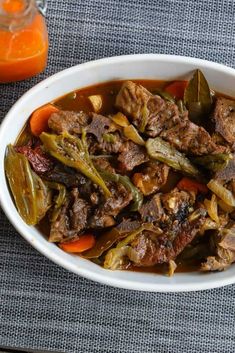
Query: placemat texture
(45, 307)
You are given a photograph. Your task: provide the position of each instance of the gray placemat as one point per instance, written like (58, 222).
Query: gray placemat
(41, 305)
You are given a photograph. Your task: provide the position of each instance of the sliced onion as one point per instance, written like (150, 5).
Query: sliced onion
(96, 101)
(132, 134)
(120, 119)
(226, 208)
(212, 208)
(172, 268)
(223, 193)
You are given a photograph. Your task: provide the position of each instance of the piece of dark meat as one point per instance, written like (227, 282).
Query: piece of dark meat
(152, 177)
(139, 104)
(128, 225)
(71, 220)
(227, 173)
(100, 125)
(164, 119)
(191, 139)
(224, 119)
(68, 121)
(152, 210)
(224, 249)
(59, 230)
(71, 179)
(165, 208)
(132, 155)
(178, 204)
(109, 208)
(149, 249)
(65, 175)
(106, 133)
(79, 211)
(102, 163)
(38, 159)
(110, 147)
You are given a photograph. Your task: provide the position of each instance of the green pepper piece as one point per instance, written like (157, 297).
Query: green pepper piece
(214, 162)
(181, 106)
(161, 150)
(32, 197)
(109, 138)
(165, 95)
(137, 196)
(103, 243)
(21, 183)
(132, 235)
(60, 198)
(73, 152)
(43, 196)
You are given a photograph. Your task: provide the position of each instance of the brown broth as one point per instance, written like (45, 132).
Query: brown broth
(108, 90)
(189, 266)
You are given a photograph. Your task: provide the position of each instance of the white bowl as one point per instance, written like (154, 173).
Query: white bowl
(149, 66)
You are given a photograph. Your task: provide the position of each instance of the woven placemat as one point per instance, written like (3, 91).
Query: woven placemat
(45, 307)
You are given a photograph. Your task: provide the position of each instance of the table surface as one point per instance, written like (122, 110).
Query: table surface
(45, 307)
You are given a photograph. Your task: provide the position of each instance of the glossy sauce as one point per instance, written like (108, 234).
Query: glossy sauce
(77, 100)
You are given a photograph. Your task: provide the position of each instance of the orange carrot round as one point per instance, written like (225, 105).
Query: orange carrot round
(176, 89)
(39, 119)
(188, 184)
(85, 242)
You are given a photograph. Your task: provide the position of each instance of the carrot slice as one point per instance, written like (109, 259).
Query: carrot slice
(188, 184)
(85, 242)
(39, 119)
(176, 89)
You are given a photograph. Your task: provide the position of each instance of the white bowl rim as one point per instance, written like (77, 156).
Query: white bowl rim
(100, 277)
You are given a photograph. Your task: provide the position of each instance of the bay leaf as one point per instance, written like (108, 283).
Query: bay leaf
(197, 98)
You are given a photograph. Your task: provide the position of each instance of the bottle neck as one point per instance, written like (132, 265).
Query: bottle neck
(16, 14)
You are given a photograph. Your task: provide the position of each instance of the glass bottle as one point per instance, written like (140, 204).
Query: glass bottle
(23, 39)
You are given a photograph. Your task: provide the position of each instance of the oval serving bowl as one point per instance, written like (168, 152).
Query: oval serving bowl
(148, 66)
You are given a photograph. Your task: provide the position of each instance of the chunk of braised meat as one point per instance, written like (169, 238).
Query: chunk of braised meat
(128, 225)
(227, 173)
(191, 139)
(102, 163)
(132, 155)
(165, 208)
(59, 230)
(149, 249)
(107, 135)
(133, 98)
(224, 119)
(65, 175)
(224, 249)
(38, 159)
(152, 177)
(113, 144)
(164, 119)
(152, 210)
(71, 179)
(109, 208)
(78, 212)
(178, 204)
(100, 125)
(68, 121)
(71, 220)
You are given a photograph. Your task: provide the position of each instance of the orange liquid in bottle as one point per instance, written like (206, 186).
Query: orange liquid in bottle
(23, 52)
